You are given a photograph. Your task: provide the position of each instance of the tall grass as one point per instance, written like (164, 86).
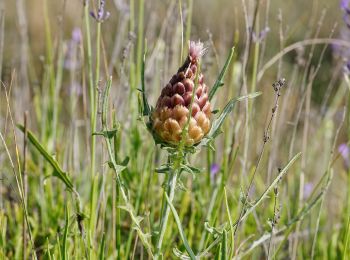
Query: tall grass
(81, 176)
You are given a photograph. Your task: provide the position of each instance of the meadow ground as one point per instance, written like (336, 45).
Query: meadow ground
(87, 171)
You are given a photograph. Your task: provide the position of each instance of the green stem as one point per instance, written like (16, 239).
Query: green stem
(90, 82)
(95, 104)
(175, 161)
(171, 185)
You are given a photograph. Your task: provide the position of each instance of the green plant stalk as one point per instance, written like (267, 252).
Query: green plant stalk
(92, 97)
(347, 235)
(181, 231)
(97, 79)
(231, 224)
(116, 193)
(139, 53)
(94, 177)
(90, 82)
(170, 192)
(65, 235)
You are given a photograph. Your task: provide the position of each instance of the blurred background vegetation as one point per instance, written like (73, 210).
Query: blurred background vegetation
(44, 69)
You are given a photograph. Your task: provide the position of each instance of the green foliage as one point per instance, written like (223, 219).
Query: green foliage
(115, 194)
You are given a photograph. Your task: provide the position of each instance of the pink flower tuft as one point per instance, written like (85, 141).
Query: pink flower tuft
(197, 50)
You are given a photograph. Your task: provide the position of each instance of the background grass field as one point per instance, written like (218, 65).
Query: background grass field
(61, 196)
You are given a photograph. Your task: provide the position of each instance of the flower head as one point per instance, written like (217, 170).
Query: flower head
(101, 15)
(180, 97)
(261, 36)
(345, 5)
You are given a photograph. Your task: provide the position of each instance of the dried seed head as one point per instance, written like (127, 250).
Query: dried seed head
(171, 114)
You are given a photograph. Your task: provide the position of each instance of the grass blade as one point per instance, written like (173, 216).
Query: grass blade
(224, 245)
(146, 107)
(178, 223)
(65, 235)
(231, 224)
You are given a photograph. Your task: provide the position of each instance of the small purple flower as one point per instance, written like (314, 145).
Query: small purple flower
(71, 60)
(261, 36)
(345, 5)
(214, 169)
(341, 51)
(344, 151)
(76, 35)
(308, 187)
(101, 15)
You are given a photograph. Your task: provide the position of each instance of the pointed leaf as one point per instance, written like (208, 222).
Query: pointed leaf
(219, 82)
(58, 172)
(179, 226)
(146, 107)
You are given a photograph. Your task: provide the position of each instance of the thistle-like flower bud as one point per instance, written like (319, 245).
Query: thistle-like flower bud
(174, 104)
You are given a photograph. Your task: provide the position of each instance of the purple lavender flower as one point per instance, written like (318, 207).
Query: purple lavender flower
(341, 51)
(344, 151)
(101, 15)
(261, 36)
(308, 187)
(345, 5)
(214, 169)
(76, 35)
(71, 60)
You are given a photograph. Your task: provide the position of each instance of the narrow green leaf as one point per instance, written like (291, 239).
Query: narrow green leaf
(231, 224)
(219, 82)
(178, 223)
(58, 172)
(146, 107)
(102, 247)
(347, 235)
(224, 245)
(218, 252)
(65, 235)
(190, 169)
(107, 133)
(163, 169)
(125, 161)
